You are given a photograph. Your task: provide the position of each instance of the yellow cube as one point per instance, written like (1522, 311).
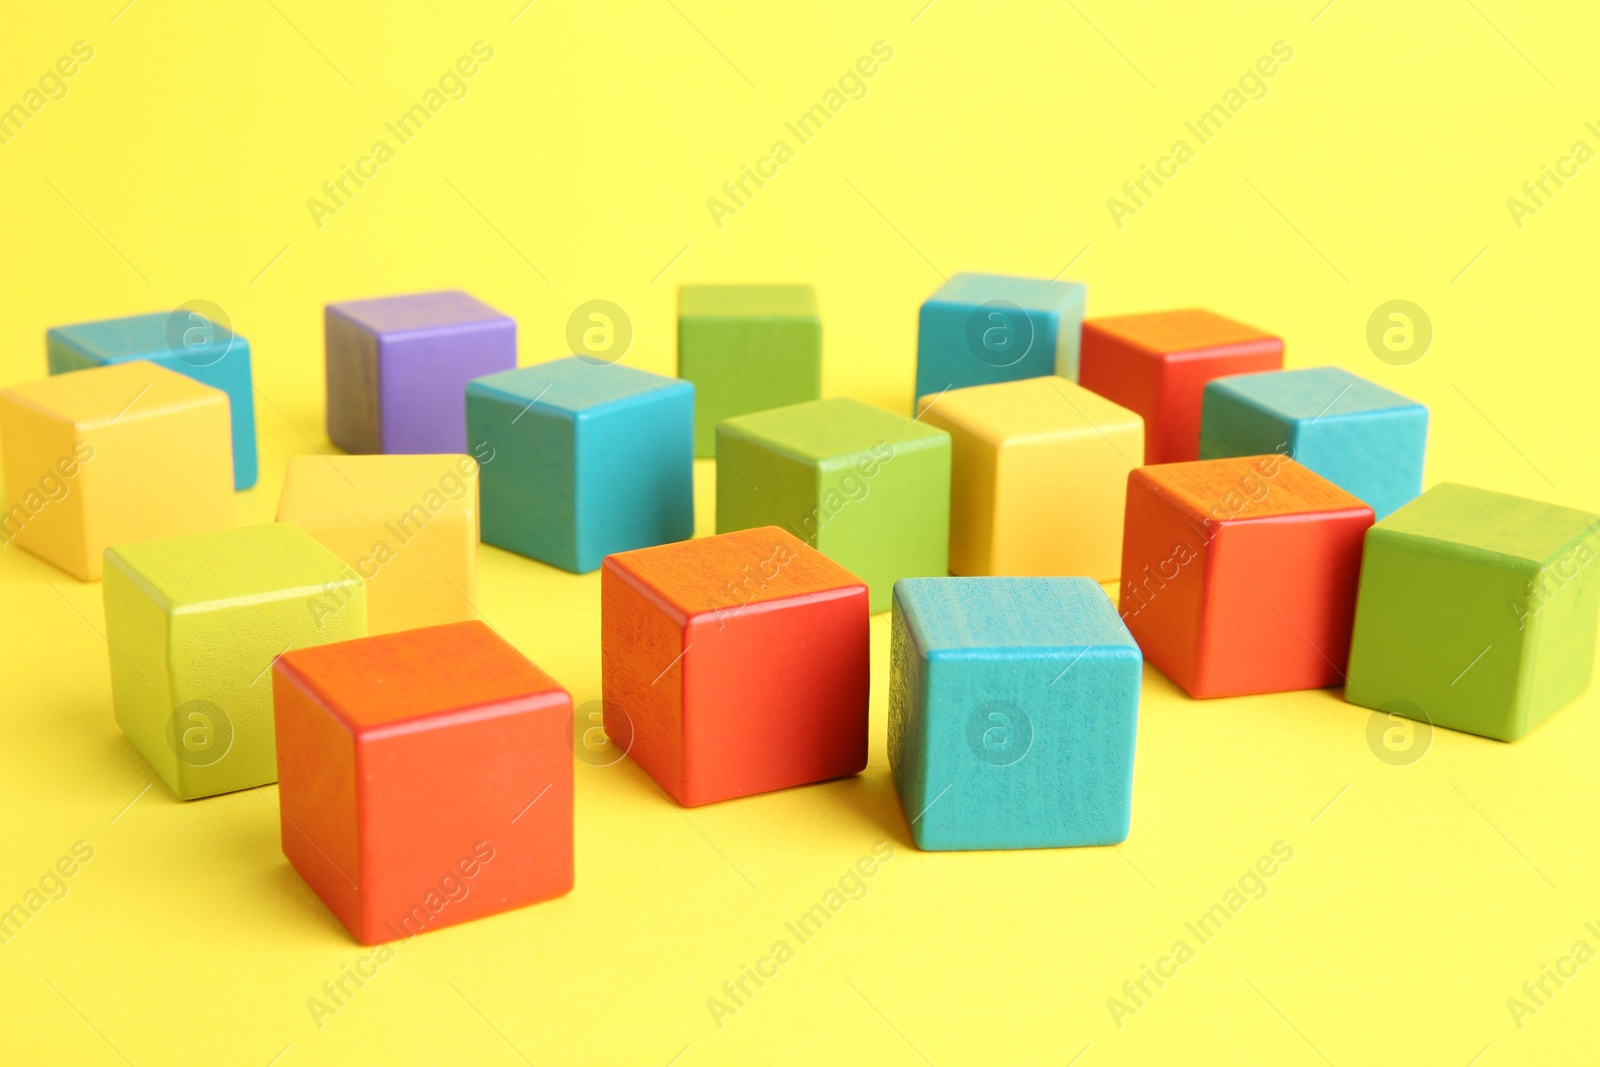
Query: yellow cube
(406, 525)
(100, 457)
(1038, 478)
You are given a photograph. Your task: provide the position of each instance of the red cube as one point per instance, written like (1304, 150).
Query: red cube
(424, 778)
(1239, 575)
(1157, 365)
(735, 664)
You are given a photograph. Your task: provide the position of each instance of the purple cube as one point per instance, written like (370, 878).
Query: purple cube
(398, 368)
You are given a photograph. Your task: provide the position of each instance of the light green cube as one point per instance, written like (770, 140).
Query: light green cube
(1476, 611)
(747, 348)
(866, 487)
(194, 624)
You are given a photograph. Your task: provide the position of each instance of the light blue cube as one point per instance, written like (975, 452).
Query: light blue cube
(580, 459)
(184, 341)
(1360, 436)
(983, 328)
(1013, 704)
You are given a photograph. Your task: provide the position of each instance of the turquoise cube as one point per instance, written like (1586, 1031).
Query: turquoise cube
(184, 341)
(1360, 436)
(580, 459)
(1013, 704)
(983, 328)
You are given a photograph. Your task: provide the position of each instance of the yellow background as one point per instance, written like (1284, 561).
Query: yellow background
(1419, 898)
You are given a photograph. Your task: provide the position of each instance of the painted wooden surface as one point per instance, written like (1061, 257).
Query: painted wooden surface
(747, 348)
(977, 329)
(868, 488)
(1013, 705)
(1158, 364)
(193, 625)
(183, 341)
(1239, 575)
(126, 452)
(1477, 611)
(425, 778)
(1039, 471)
(735, 664)
(582, 459)
(406, 525)
(398, 367)
(1358, 435)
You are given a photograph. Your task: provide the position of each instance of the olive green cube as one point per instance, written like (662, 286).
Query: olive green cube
(1476, 611)
(747, 348)
(867, 488)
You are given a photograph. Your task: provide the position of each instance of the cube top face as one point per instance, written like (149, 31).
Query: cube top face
(1522, 531)
(158, 334)
(117, 392)
(1312, 393)
(978, 618)
(733, 570)
(417, 312)
(402, 681)
(277, 561)
(747, 301)
(1190, 333)
(831, 432)
(1030, 294)
(1246, 488)
(1045, 407)
(576, 387)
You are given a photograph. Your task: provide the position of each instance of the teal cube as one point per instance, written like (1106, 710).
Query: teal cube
(184, 341)
(983, 328)
(1013, 704)
(579, 460)
(1360, 436)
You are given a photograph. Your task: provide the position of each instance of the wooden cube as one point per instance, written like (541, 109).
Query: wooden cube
(581, 460)
(1360, 436)
(1013, 704)
(184, 341)
(426, 778)
(1477, 611)
(125, 452)
(1239, 575)
(735, 664)
(1158, 364)
(398, 367)
(1040, 469)
(194, 624)
(977, 329)
(747, 348)
(867, 488)
(407, 525)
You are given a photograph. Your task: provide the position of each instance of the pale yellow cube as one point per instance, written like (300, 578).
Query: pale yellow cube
(1039, 477)
(112, 455)
(407, 526)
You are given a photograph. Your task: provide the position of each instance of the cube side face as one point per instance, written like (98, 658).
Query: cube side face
(1376, 456)
(422, 379)
(758, 485)
(464, 816)
(1425, 613)
(1128, 375)
(528, 484)
(1233, 424)
(351, 370)
(138, 643)
(1059, 503)
(45, 503)
(962, 344)
(635, 475)
(908, 722)
(1164, 557)
(641, 668)
(891, 523)
(1562, 611)
(1183, 386)
(317, 795)
(775, 695)
(975, 516)
(740, 365)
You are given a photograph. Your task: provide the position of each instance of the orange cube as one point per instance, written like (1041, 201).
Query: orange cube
(1239, 575)
(735, 664)
(424, 778)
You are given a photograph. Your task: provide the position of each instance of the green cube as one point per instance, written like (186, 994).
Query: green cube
(747, 348)
(866, 487)
(194, 624)
(1476, 611)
